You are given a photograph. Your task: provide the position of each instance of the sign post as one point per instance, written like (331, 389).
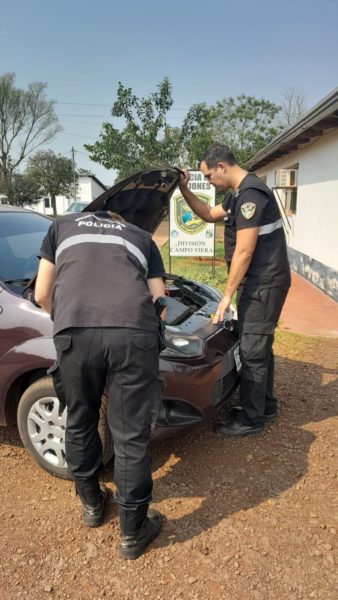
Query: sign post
(188, 234)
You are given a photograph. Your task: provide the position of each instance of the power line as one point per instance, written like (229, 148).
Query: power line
(81, 122)
(99, 124)
(83, 104)
(80, 152)
(103, 105)
(81, 115)
(77, 135)
(106, 116)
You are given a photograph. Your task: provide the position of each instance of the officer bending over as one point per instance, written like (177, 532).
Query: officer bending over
(98, 279)
(256, 256)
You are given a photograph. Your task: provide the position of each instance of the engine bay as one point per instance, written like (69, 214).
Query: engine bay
(190, 305)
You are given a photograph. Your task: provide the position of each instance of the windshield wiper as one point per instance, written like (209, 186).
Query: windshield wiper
(17, 281)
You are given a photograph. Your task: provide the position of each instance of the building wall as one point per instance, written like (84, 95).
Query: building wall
(313, 237)
(88, 190)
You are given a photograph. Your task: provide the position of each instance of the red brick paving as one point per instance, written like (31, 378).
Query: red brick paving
(308, 310)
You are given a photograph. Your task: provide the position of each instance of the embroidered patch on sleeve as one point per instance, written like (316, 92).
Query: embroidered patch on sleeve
(248, 209)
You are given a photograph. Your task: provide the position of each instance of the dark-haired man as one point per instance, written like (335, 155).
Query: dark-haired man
(99, 277)
(256, 256)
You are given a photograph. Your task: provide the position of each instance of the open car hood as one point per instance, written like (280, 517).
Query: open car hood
(142, 199)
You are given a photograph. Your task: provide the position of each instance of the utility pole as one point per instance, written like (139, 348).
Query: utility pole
(74, 173)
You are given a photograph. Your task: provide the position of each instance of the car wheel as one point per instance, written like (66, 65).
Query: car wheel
(42, 426)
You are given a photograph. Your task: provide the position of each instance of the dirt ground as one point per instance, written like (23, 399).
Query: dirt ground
(250, 519)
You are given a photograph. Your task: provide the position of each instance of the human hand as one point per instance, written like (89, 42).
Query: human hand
(184, 180)
(222, 308)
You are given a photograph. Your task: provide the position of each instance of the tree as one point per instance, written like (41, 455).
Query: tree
(85, 172)
(27, 120)
(198, 132)
(293, 107)
(24, 188)
(146, 138)
(54, 175)
(246, 124)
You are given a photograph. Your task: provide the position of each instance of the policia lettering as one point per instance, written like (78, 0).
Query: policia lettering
(106, 336)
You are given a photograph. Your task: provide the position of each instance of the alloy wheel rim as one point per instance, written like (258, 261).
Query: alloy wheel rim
(46, 424)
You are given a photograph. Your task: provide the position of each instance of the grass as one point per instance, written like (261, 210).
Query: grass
(295, 345)
(198, 268)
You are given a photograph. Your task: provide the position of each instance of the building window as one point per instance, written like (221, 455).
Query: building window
(47, 202)
(286, 181)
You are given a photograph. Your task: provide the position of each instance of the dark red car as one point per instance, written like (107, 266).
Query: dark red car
(199, 366)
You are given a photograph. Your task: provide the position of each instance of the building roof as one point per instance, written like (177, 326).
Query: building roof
(104, 187)
(322, 117)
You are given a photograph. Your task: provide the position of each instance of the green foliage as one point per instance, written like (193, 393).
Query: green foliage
(84, 172)
(145, 140)
(24, 189)
(54, 175)
(246, 124)
(27, 120)
(198, 132)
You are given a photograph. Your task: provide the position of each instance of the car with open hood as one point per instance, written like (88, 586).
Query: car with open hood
(199, 366)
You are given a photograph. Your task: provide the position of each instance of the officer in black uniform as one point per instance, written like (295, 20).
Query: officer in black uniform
(99, 277)
(256, 256)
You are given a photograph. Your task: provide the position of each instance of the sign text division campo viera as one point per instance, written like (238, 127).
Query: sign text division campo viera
(190, 235)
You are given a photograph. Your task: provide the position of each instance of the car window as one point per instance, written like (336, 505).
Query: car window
(76, 207)
(21, 235)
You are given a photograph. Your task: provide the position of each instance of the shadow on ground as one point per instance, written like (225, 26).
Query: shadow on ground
(202, 478)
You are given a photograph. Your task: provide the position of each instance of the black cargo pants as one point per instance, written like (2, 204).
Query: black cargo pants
(258, 314)
(127, 360)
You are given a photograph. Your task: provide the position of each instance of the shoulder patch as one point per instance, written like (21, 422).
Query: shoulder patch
(248, 209)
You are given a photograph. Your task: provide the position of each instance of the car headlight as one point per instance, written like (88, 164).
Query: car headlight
(182, 346)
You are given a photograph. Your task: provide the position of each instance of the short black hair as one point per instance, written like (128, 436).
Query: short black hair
(217, 153)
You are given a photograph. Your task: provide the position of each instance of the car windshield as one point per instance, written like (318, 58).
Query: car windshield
(76, 207)
(21, 235)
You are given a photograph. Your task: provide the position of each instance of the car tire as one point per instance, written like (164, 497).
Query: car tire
(42, 421)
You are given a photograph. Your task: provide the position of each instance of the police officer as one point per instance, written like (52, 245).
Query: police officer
(256, 256)
(98, 278)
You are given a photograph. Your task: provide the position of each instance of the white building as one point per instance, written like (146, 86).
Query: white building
(89, 188)
(301, 166)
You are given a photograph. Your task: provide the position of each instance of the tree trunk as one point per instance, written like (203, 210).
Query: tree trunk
(54, 205)
(6, 186)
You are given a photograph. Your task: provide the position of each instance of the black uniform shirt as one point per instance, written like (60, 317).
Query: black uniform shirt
(254, 205)
(102, 267)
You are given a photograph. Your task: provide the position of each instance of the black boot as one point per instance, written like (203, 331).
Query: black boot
(236, 428)
(132, 546)
(93, 514)
(270, 414)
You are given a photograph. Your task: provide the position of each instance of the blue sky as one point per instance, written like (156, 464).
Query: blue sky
(209, 50)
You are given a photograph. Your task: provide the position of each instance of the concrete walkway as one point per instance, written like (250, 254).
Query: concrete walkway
(307, 310)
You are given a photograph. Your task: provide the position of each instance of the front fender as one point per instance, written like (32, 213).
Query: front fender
(31, 355)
